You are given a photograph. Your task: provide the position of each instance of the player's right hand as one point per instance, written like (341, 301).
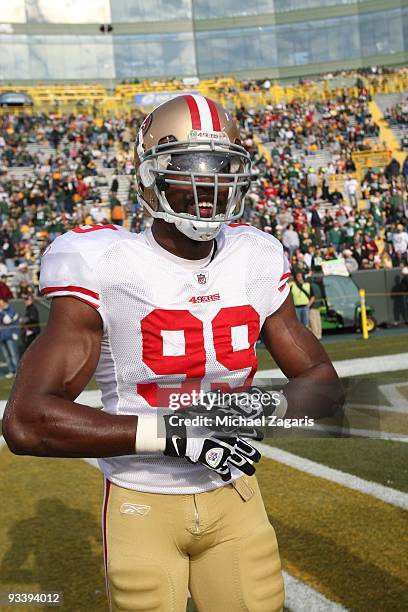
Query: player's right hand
(200, 445)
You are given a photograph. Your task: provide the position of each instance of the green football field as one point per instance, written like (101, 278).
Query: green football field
(347, 545)
(354, 349)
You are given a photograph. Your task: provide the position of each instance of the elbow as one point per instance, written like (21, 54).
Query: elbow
(327, 372)
(319, 392)
(334, 391)
(20, 439)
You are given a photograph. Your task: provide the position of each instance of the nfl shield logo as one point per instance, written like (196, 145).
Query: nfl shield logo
(202, 277)
(214, 456)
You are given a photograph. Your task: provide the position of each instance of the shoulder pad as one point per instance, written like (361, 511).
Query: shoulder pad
(245, 229)
(68, 264)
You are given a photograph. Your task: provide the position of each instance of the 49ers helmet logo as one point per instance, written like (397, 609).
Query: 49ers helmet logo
(147, 123)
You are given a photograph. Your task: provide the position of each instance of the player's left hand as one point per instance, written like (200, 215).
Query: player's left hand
(239, 413)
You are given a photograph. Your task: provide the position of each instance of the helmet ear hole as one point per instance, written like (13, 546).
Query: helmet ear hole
(146, 176)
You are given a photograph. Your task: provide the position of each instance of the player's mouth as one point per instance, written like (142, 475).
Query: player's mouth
(205, 208)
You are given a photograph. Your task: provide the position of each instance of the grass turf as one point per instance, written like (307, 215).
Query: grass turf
(50, 530)
(347, 545)
(344, 544)
(381, 461)
(350, 349)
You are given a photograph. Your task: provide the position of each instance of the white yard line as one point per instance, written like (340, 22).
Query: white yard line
(380, 407)
(354, 367)
(349, 367)
(89, 398)
(302, 598)
(299, 596)
(397, 400)
(354, 432)
(385, 494)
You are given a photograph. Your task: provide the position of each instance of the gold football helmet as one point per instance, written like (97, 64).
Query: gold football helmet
(192, 141)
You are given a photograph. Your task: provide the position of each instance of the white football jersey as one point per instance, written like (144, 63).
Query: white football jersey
(169, 324)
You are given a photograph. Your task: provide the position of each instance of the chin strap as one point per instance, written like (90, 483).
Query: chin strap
(214, 251)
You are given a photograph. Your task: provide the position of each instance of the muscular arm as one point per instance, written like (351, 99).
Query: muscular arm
(314, 389)
(41, 417)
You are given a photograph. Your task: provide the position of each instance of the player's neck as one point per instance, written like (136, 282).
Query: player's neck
(170, 239)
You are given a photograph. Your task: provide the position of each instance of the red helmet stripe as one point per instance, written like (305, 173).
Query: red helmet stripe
(194, 112)
(214, 115)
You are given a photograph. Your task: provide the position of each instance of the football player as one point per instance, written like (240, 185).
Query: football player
(175, 308)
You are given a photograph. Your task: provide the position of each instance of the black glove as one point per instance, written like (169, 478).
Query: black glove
(201, 445)
(239, 413)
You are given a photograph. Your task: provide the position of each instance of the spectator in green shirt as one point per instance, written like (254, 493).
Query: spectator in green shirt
(334, 236)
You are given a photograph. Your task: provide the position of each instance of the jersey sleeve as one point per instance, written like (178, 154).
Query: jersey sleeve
(268, 269)
(68, 268)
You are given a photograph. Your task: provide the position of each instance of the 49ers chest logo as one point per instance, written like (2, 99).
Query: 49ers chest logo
(201, 277)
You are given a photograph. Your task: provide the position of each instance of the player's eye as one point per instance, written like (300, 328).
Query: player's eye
(202, 163)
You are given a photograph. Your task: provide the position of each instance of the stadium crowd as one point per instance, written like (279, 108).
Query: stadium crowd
(397, 116)
(365, 223)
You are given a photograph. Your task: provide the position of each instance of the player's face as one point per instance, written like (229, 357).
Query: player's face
(182, 197)
(182, 200)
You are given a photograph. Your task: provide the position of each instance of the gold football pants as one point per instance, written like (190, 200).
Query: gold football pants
(217, 544)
